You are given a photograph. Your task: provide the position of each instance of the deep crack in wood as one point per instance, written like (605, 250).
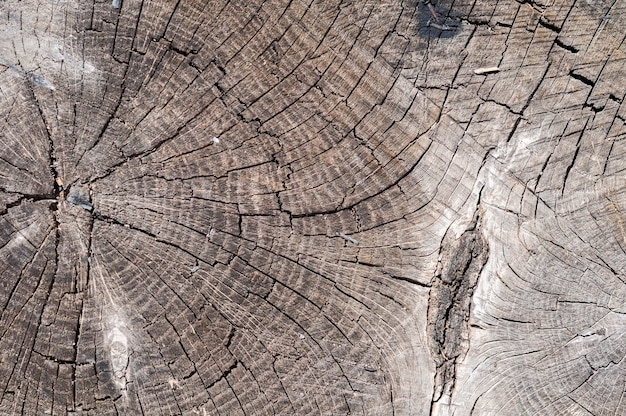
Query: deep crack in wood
(461, 261)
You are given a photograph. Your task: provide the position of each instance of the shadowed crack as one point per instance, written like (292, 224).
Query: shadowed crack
(461, 262)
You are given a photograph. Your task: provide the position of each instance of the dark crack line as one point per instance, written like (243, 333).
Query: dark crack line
(571, 165)
(352, 205)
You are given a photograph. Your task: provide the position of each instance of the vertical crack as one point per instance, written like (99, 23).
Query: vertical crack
(52, 161)
(576, 151)
(461, 262)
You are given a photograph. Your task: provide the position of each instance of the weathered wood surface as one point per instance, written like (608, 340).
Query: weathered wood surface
(312, 207)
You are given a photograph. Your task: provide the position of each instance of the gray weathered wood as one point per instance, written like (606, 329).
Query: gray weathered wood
(312, 207)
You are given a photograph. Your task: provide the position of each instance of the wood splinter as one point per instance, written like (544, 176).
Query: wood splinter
(486, 70)
(347, 238)
(439, 26)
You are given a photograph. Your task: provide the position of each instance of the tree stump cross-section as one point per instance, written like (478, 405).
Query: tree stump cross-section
(312, 207)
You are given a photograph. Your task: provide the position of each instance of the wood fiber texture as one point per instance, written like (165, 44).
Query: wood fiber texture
(312, 207)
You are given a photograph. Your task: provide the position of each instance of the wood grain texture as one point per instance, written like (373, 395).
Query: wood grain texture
(312, 207)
